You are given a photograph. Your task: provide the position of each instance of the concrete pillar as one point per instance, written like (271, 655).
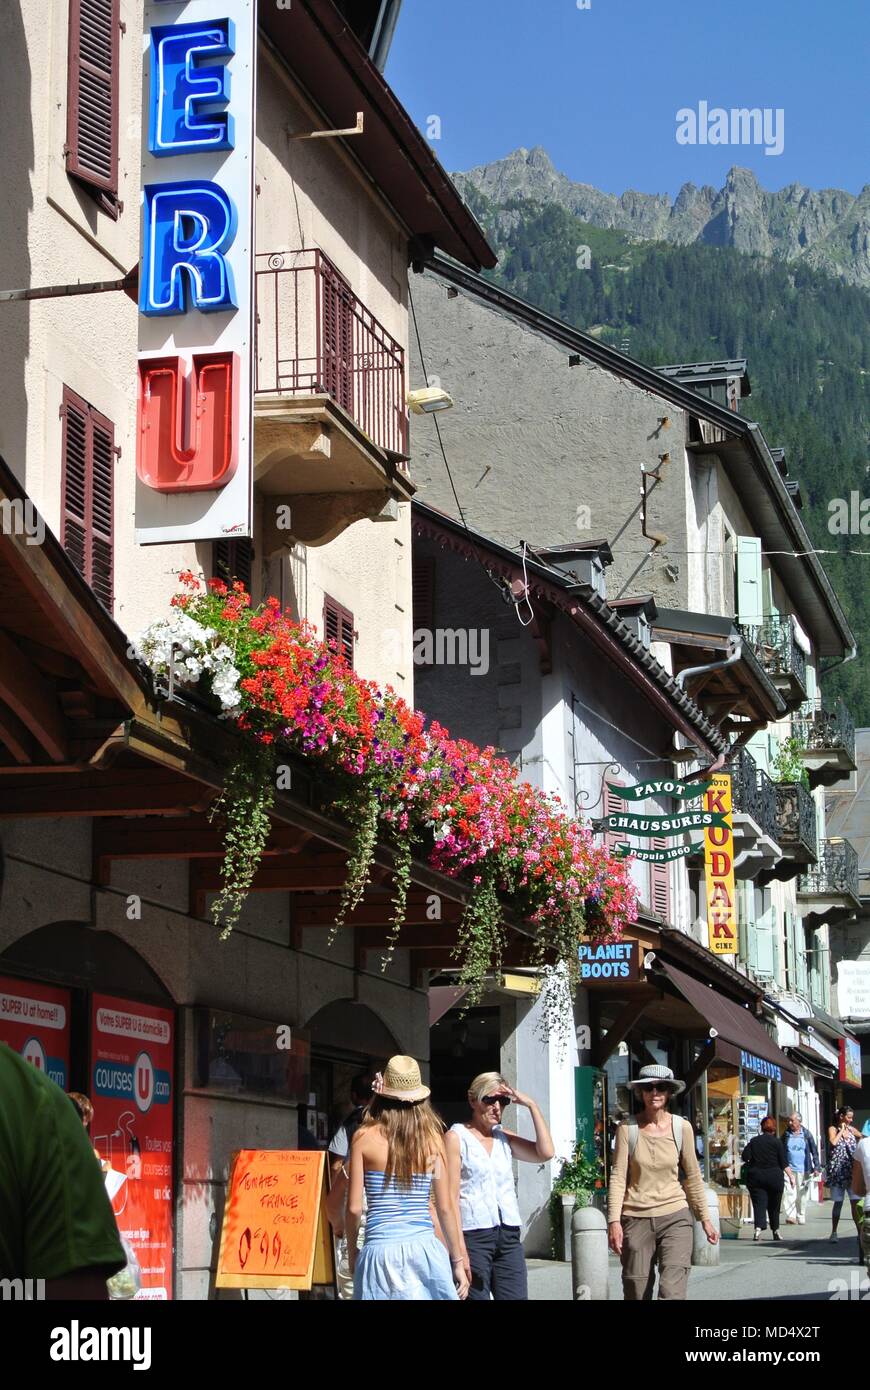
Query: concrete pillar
(589, 1281)
(703, 1253)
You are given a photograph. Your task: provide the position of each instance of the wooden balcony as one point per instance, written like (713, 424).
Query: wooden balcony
(330, 418)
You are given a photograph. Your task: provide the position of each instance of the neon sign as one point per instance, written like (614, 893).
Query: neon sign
(196, 271)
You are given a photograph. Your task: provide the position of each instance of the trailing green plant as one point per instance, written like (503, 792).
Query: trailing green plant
(580, 1177)
(787, 762)
(243, 805)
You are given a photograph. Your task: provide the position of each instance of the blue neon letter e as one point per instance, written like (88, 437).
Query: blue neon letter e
(181, 88)
(188, 229)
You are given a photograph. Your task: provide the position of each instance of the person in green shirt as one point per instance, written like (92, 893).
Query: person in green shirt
(56, 1221)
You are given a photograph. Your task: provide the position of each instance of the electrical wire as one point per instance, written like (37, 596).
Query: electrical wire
(525, 595)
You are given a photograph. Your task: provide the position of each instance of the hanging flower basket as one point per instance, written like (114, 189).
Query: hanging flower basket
(289, 693)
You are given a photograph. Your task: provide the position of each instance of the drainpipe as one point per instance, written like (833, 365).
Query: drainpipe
(713, 665)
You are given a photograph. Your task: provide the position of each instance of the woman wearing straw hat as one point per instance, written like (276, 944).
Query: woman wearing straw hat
(397, 1159)
(649, 1221)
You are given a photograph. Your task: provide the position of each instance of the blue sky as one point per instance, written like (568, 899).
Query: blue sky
(600, 88)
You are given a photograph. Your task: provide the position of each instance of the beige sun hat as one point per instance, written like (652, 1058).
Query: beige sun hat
(663, 1074)
(401, 1081)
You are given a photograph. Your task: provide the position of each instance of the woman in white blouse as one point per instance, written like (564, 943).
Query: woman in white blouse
(479, 1157)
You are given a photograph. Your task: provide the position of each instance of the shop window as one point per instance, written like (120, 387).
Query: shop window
(91, 150)
(87, 488)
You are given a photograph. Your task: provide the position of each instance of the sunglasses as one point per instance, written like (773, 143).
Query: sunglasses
(503, 1101)
(656, 1086)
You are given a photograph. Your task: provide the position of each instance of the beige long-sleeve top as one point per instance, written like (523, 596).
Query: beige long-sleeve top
(649, 1183)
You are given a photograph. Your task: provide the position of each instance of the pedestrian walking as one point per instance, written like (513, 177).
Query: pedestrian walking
(479, 1157)
(397, 1160)
(339, 1159)
(802, 1153)
(649, 1213)
(765, 1173)
(56, 1221)
(843, 1139)
(861, 1186)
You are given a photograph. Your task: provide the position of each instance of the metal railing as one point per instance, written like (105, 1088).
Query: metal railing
(835, 874)
(774, 644)
(822, 726)
(796, 818)
(752, 791)
(316, 337)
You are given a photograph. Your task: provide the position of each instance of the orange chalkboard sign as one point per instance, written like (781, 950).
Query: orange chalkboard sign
(275, 1232)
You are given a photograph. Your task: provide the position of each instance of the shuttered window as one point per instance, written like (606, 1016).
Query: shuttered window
(338, 628)
(423, 604)
(613, 805)
(232, 558)
(87, 485)
(338, 363)
(92, 98)
(660, 882)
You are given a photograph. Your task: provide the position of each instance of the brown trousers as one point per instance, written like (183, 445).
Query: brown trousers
(648, 1241)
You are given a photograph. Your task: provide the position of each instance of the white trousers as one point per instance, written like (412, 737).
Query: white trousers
(795, 1198)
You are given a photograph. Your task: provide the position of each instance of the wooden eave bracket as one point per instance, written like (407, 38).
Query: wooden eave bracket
(358, 129)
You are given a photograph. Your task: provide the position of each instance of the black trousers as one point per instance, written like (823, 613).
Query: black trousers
(766, 1188)
(498, 1265)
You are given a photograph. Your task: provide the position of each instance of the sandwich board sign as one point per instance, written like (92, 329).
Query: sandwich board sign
(275, 1232)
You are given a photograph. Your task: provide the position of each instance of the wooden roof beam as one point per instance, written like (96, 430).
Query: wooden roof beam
(32, 700)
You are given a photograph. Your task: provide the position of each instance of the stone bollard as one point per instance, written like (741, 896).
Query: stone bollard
(703, 1253)
(589, 1256)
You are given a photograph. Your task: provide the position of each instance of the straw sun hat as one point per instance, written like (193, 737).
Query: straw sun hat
(401, 1081)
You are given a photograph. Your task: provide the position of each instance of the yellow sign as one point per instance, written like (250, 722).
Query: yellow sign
(275, 1233)
(719, 870)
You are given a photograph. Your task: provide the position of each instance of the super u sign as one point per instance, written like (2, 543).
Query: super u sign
(193, 459)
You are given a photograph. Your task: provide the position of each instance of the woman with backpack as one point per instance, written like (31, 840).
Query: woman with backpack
(649, 1212)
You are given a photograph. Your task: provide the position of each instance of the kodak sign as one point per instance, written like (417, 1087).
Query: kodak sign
(719, 868)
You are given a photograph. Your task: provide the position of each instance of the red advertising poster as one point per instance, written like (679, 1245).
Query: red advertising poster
(132, 1093)
(34, 1020)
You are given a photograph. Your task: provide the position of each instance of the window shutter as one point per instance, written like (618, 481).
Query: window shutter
(338, 363)
(424, 593)
(92, 96)
(232, 558)
(612, 806)
(338, 628)
(749, 595)
(660, 882)
(87, 487)
(765, 962)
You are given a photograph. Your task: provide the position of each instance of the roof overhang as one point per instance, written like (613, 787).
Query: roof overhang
(326, 59)
(743, 688)
(590, 613)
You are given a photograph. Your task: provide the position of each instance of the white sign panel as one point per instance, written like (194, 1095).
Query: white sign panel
(853, 988)
(196, 294)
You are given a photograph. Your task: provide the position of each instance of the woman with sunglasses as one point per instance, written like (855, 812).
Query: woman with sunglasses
(479, 1155)
(649, 1214)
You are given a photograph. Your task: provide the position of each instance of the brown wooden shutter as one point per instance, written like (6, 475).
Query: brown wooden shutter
(92, 97)
(232, 558)
(338, 628)
(660, 881)
(338, 361)
(87, 488)
(423, 602)
(612, 806)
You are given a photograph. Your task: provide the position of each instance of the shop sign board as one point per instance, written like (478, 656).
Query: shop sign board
(659, 856)
(674, 824)
(759, 1066)
(34, 1021)
(719, 868)
(196, 275)
(850, 1062)
(275, 1232)
(853, 988)
(611, 960)
(132, 1090)
(660, 786)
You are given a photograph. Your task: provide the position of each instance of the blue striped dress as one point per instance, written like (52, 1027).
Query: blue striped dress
(402, 1257)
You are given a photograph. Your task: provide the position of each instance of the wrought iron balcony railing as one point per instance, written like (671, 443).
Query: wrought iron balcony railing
(315, 337)
(826, 727)
(836, 873)
(752, 791)
(796, 821)
(774, 644)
